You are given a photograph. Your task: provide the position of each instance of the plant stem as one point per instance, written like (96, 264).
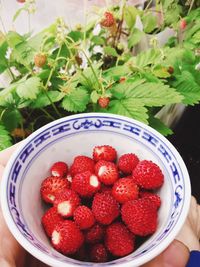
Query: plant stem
(48, 114)
(148, 5)
(191, 5)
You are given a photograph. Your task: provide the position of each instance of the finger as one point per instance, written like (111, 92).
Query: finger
(176, 255)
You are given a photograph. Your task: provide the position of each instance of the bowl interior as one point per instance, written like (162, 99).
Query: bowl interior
(64, 139)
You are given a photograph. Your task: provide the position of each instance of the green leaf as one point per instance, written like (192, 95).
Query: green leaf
(158, 125)
(146, 58)
(76, 101)
(97, 40)
(3, 60)
(76, 35)
(87, 77)
(43, 99)
(110, 51)
(196, 37)
(11, 119)
(94, 97)
(135, 37)
(29, 89)
(149, 22)
(187, 86)
(130, 14)
(129, 108)
(156, 95)
(117, 72)
(172, 14)
(5, 139)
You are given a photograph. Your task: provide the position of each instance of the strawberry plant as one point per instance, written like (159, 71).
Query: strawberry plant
(97, 67)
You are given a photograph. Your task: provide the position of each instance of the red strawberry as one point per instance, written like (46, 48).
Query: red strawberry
(40, 60)
(51, 186)
(104, 152)
(105, 208)
(127, 163)
(84, 217)
(66, 202)
(106, 171)
(86, 184)
(170, 70)
(21, 1)
(140, 216)
(148, 175)
(82, 164)
(50, 219)
(98, 253)
(59, 169)
(122, 79)
(67, 238)
(183, 24)
(119, 240)
(152, 197)
(103, 102)
(94, 234)
(124, 190)
(108, 20)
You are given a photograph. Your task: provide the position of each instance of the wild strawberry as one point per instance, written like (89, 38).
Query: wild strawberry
(103, 102)
(183, 24)
(152, 197)
(50, 219)
(108, 20)
(98, 253)
(51, 186)
(140, 216)
(170, 70)
(124, 190)
(82, 164)
(122, 79)
(86, 184)
(67, 238)
(95, 234)
(21, 1)
(148, 175)
(107, 172)
(105, 208)
(66, 202)
(104, 152)
(127, 163)
(84, 217)
(40, 60)
(119, 240)
(59, 169)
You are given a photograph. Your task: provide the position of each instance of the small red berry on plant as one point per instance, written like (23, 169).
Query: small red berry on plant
(170, 70)
(108, 20)
(40, 60)
(183, 24)
(103, 102)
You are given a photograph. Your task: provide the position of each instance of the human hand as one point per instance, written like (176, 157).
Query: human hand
(13, 255)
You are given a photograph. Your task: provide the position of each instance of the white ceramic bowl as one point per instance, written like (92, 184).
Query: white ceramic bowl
(62, 140)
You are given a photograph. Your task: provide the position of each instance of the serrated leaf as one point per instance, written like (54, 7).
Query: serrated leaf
(146, 58)
(156, 95)
(135, 37)
(172, 15)
(76, 101)
(149, 22)
(196, 37)
(129, 108)
(130, 14)
(187, 86)
(3, 60)
(29, 89)
(76, 35)
(43, 99)
(117, 72)
(5, 139)
(158, 125)
(11, 119)
(110, 51)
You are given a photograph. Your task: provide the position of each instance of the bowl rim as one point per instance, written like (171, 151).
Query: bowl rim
(57, 263)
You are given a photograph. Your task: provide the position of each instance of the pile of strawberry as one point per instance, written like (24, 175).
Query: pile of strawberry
(101, 204)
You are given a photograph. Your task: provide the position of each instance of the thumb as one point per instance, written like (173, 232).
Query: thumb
(176, 255)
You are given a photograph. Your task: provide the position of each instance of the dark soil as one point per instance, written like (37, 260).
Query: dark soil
(186, 139)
